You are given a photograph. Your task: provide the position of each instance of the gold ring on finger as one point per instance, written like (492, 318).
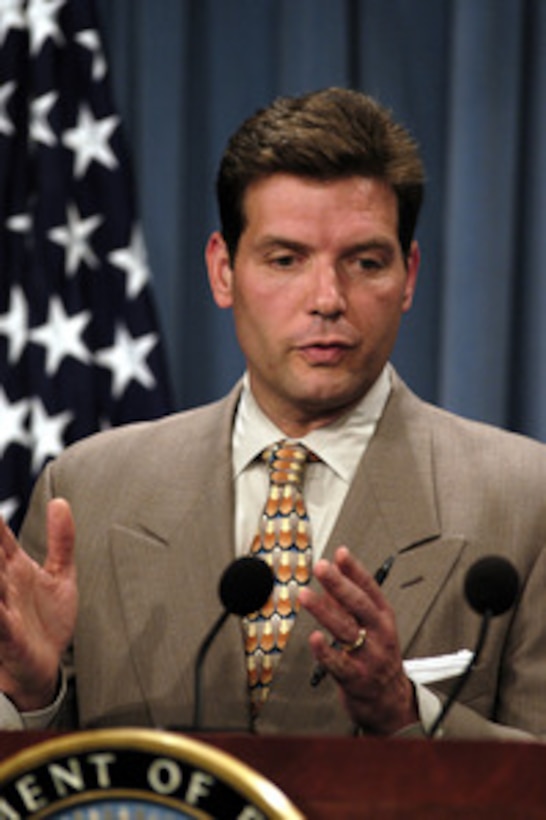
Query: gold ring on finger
(356, 644)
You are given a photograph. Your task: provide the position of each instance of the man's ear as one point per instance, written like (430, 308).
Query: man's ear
(219, 270)
(412, 268)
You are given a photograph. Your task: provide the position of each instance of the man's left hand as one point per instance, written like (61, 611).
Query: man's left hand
(365, 661)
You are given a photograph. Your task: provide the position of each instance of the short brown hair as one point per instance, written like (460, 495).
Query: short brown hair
(326, 135)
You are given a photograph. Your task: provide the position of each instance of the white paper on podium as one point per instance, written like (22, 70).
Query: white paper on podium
(438, 667)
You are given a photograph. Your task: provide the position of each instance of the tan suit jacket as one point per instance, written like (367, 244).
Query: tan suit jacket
(153, 505)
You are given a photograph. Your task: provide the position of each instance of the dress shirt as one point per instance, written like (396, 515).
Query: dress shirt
(339, 446)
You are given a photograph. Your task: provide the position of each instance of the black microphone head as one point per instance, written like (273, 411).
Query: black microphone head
(245, 585)
(491, 585)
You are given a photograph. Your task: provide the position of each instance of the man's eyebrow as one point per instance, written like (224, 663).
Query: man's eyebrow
(272, 241)
(373, 244)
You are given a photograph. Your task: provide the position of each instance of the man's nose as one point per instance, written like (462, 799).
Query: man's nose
(328, 296)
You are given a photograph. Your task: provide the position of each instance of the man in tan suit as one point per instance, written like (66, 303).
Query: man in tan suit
(319, 198)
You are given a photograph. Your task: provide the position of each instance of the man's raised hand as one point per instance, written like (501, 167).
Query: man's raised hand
(38, 607)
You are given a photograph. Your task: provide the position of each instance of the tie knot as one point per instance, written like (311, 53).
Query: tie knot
(286, 461)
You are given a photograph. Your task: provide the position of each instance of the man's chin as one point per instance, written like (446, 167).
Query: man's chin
(329, 399)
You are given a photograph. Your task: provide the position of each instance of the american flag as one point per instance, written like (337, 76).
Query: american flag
(79, 342)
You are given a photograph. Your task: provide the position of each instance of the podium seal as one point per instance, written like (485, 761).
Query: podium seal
(135, 774)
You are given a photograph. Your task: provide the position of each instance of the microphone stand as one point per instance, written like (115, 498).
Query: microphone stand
(203, 649)
(456, 691)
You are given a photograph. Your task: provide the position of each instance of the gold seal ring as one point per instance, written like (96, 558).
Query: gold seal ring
(352, 647)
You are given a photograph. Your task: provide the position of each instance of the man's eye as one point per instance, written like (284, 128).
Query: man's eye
(368, 263)
(285, 260)
(363, 265)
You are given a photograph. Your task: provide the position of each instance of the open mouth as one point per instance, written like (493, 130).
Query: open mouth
(325, 354)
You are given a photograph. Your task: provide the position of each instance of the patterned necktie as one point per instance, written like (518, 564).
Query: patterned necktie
(283, 540)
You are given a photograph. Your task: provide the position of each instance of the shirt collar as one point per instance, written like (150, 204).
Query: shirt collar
(340, 444)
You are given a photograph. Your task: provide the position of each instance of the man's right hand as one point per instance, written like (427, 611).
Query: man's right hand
(38, 607)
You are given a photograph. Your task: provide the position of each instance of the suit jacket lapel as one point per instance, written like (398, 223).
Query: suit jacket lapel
(391, 509)
(193, 506)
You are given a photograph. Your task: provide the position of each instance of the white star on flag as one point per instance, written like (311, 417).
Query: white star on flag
(61, 336)
(6, 90)
(90, 39)
(20, 223)
(74, 238)
(39, 128)
(12, 428)
(8, 507)
(12, 16)
(126, 359)
(89, 141)
(42, 23)
(134, 261)
(14, 324)
(46, 433)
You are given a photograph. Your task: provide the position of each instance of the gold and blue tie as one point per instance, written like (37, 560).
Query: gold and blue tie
(283, 540)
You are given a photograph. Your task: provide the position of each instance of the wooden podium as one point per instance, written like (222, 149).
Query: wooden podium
(346, 779)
